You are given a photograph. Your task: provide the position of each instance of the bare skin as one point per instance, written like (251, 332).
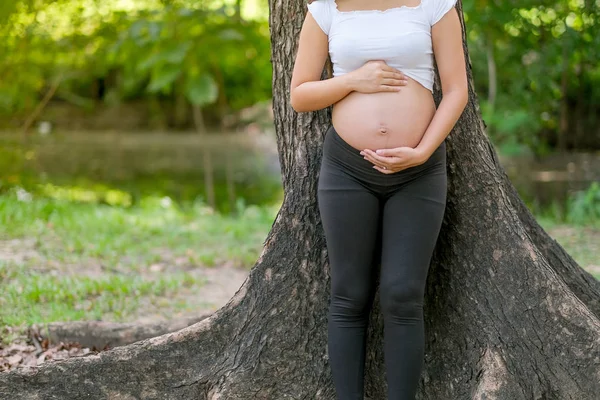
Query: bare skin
(376, 107)
(384, 120)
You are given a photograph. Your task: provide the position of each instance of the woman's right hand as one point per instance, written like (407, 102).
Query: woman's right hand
(376, 76)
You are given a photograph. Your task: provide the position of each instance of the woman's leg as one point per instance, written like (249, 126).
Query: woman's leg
(412, 218)
(350, 217)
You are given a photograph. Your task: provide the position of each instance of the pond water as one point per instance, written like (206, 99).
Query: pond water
(243, 166)
(149, 164)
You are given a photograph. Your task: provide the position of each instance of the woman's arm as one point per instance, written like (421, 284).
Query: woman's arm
(308, 92)
(446, 36)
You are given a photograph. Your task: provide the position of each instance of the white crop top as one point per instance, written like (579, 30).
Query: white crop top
(400, 36)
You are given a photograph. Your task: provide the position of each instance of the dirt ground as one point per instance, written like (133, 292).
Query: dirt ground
(22, 351)
(221, 284)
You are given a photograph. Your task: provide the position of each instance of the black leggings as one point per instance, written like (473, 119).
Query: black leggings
(369, 218)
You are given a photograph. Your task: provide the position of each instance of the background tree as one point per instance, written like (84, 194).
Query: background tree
(535, 63)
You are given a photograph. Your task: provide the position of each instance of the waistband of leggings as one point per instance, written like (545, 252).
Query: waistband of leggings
(439, 154)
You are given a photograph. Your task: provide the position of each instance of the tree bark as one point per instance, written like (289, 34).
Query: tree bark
(509, 314)
(100, 335)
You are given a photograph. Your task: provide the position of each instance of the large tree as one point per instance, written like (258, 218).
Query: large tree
(509, 314)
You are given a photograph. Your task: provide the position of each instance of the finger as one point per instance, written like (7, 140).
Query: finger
(394, 71)
(394, 82)
(385, 171)
(385, 163)
(395, 75)
(374, 161)
(386, 160)
(386, 153)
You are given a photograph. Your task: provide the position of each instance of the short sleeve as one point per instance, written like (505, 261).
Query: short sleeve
(439, 8)
(322, 13)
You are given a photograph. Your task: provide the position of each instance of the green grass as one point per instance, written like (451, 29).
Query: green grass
(130, 238)
(72, 259)
(31, 296)
(70, 256)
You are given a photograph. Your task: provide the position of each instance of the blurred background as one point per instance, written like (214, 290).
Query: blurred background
(139, 172)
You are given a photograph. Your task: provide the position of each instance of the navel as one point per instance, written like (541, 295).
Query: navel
(382, 129)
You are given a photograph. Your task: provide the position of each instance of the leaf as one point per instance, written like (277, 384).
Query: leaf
(162, 78)
(154, 29)
(148, 62)
(176, 54)
(173, 55)
(202, 90)
(137, 28)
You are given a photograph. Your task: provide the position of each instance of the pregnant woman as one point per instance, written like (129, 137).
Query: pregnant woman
(382, 182)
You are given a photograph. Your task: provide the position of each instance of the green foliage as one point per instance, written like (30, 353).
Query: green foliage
(545, 57)
(511, 128)
(202, 90)
(584, 206)
(147, 50)
(533, 46)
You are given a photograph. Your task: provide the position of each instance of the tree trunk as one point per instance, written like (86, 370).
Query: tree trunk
(238, 10)
(509, 314)
(40, 107)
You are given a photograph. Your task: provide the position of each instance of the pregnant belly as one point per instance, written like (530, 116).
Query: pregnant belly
(384, 119)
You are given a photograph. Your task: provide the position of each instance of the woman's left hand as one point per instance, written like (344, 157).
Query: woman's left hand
(393, 160)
